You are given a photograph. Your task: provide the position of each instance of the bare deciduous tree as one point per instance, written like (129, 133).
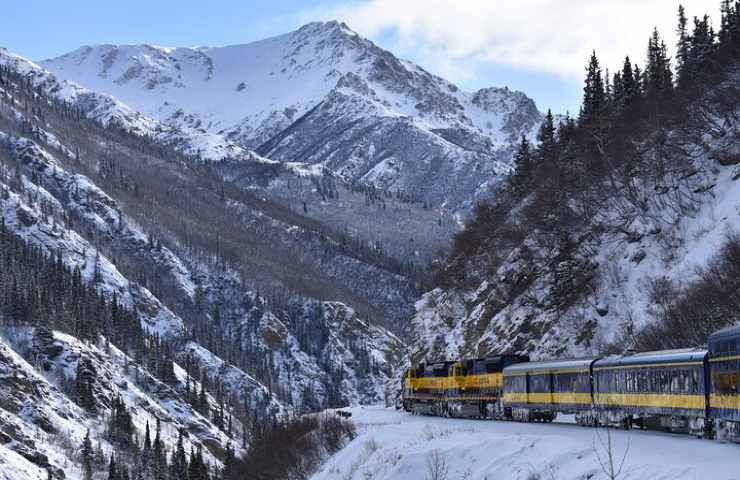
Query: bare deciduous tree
(607, 456)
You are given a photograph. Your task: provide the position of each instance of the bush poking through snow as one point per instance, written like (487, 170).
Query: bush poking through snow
(686, 316)
(608, 456)
(437, 467)
(294, 449)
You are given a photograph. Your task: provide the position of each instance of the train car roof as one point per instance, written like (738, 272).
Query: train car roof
(442, 363)
(493, 357)
(551, 365)
(731, 331)
(681, 355)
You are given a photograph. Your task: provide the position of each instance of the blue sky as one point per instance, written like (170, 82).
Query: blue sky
(538, 46)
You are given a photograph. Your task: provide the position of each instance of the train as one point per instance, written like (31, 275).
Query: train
(692, 390)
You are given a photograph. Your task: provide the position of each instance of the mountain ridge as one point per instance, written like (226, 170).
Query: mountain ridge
(258, 91)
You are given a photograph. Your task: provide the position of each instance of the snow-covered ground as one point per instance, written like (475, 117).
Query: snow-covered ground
(396, 445)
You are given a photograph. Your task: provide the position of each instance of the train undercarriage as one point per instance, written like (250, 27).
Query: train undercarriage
(495, 410)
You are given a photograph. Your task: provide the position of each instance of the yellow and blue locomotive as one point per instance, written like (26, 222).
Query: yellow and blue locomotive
(467, 388)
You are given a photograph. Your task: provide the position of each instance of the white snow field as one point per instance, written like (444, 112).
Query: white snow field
(394, 445)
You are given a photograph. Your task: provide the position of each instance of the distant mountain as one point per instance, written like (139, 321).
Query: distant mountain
(321, 95)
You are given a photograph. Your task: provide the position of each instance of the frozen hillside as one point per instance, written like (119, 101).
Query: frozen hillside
(321, 95)
(394, 445)
(44, 423)
(109, 111)
(604, 243)
(98, 210)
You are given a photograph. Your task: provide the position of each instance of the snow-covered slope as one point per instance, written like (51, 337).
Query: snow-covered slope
(68, 213)
(40, 421)
(394, 445)
(597, 285)
(110, 111)
(321, 95)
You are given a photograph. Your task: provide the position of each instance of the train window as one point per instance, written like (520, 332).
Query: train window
(491, 367)
(516, 383)
(676, 379)
(724, 383)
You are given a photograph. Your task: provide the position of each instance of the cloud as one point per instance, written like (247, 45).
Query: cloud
(553, 36)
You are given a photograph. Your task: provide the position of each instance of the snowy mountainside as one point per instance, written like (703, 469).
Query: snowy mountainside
(285, 96)
(595, 286)
(115, 115)
(66, 212)
(42, 422)
(53, 207)
(111, 111)
(27, 220)
(100, 213)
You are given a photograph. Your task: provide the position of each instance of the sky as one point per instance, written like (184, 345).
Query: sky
(537, 46)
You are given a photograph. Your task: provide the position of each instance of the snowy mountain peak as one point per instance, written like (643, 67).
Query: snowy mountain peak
(282, 95)
(331, 27)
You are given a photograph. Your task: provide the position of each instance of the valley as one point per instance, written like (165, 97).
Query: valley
(206, 252)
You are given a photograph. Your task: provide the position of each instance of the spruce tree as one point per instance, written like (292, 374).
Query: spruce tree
(683, 46)
(87, 454)
(179, 465)
(112, 470)
(159, 462)
(658, 75)
(84, 379)
(594, 95)
(630, 84)
(523, 168)
(546, 137)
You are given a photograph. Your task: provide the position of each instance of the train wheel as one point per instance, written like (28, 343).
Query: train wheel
(627, 423)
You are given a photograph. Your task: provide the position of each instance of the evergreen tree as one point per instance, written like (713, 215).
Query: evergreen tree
(112, 470)
(43, 344)
(84, 380)
(630, 83)
(87, 454)
(523, 168)
(702, 44)
(147, 439)
(658, 74)
(547, 138)
(179, 464)
(594, 95)
(683, 45)
(230, 467)
(159, 462)
(120, 424)
(197, 469)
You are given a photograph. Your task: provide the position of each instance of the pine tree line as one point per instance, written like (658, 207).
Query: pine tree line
(564, 187)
